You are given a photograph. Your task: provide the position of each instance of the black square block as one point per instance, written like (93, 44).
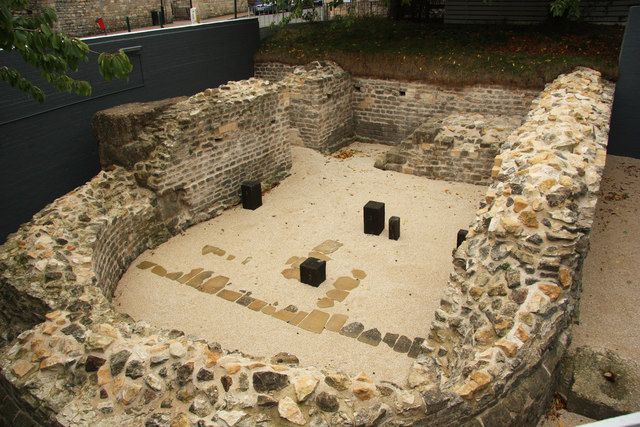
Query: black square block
(313, 271)
(251, 195)
(394, 228)
(373, 217)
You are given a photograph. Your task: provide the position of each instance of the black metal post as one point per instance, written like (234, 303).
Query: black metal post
(128, 24)
(161, 14)
(235, 9)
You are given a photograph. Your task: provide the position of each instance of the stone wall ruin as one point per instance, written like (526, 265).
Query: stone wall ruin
(320, 96)
(441, 133)
(460, 147)
(68, 358)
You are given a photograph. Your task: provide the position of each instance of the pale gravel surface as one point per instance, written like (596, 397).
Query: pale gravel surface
(564, 418)
(609, 306)
(322, 200)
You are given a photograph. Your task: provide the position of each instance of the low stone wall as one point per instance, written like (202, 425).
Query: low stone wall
(460, 147)
(272, 71)
(194, 154)
(320, 96)
(492, 352)
(388, 111)
(517, 277)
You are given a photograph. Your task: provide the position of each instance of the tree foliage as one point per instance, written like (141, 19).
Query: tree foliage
(565, 8)
(53, 53)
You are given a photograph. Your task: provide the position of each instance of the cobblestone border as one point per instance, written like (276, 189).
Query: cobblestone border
(490, 358)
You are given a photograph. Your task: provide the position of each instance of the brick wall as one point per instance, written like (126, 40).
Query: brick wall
(195, 154)
(388, 111)
(461, 147)
(272, 71)
(320, 96)
(78, 17)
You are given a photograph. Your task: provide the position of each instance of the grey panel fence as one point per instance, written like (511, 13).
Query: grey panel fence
(531, 11)
(625, 115)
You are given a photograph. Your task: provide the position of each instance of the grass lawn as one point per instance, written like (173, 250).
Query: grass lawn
(451, 55)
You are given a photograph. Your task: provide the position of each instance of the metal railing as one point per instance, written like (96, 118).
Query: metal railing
(274, 17)
(360, 8)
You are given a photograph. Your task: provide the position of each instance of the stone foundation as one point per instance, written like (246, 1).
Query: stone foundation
(460, 147)
(320, 96)
(388, 111)
(492, 351)
(195, 153)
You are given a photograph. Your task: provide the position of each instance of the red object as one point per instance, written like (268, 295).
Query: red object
(101, 25)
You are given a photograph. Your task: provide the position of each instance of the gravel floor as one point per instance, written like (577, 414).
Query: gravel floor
(321, 201)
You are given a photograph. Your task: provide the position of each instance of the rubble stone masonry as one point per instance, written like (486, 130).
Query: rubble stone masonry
(461, 147)
(68, 358)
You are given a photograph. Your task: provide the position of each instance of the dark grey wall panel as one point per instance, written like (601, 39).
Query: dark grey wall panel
(531, 11)
(47, 150)
(497, 11)
(606, 11)
(625, 116)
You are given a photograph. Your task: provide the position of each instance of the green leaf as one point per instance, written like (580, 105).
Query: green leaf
(53, 53)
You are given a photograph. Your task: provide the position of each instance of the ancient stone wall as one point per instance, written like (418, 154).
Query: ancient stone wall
(195, 153)
(460, 147)
(492, 351)
(272, 71)
(388, 111)
(320, 96)
(78, 17)
(517, 276)
(117, 131)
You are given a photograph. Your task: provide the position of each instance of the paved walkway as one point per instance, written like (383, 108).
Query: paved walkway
(265, 20)
(174, 24)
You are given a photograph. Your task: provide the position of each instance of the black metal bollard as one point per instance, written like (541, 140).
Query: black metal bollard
(373, 217)
(251, 195)
(462, 235)
(128, 24)
(394, 228)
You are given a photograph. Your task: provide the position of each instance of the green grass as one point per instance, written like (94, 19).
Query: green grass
(451, 55)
